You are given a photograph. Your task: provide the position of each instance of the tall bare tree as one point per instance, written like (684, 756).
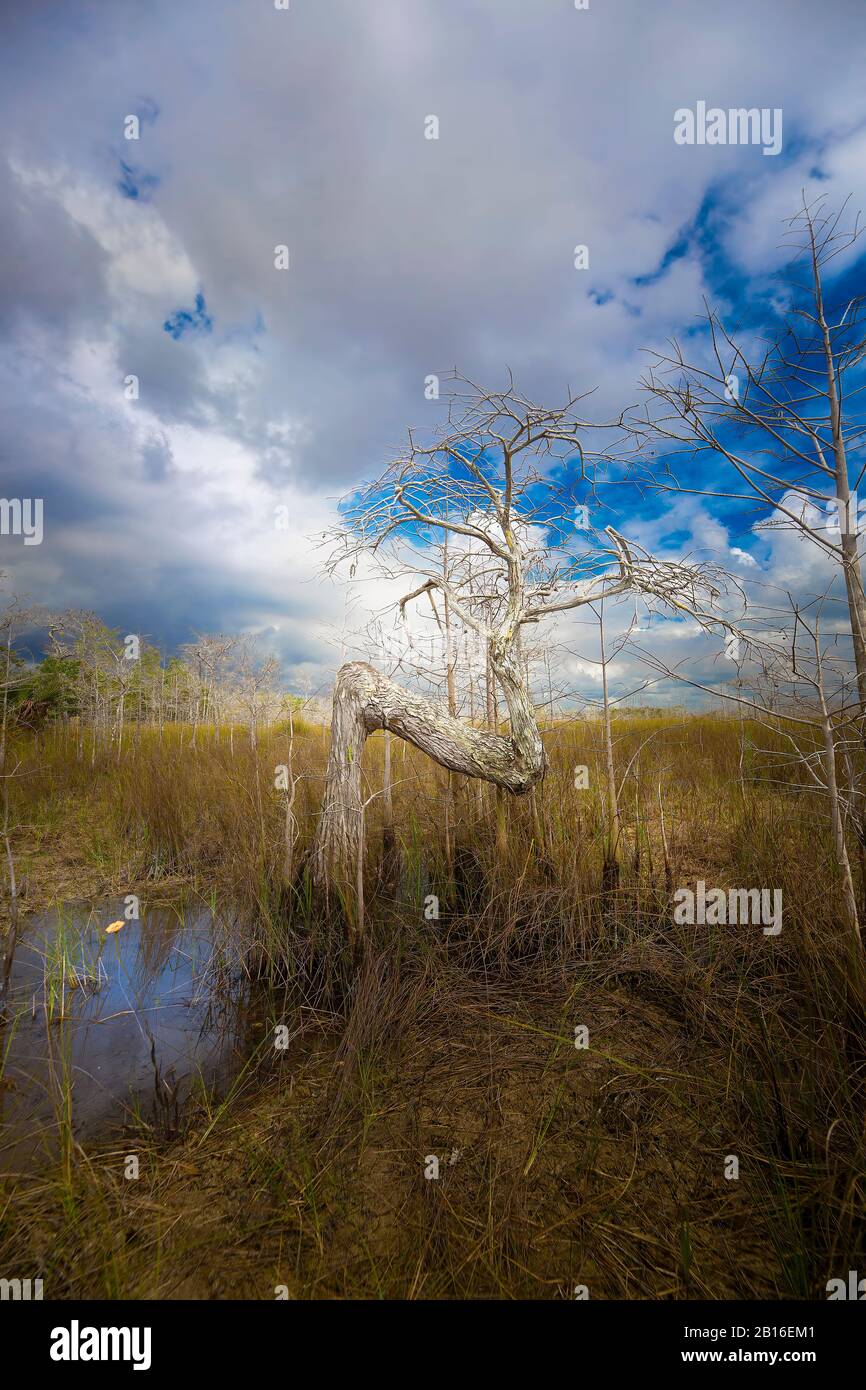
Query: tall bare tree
(486, 478)
(778, 414)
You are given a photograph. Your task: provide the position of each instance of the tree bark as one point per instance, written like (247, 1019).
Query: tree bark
(848, 523)
(365, 701)
(849, 897)
(614, 823)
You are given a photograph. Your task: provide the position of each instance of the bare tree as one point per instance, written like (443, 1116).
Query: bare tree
(479, 481)
(98, 655)
(255, 678)
(803, 691)
(783, 416)
(210, 655)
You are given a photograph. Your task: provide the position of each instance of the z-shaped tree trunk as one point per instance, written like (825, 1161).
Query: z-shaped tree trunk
(365, 701)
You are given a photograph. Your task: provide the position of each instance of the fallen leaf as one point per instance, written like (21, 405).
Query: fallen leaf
(113, 926)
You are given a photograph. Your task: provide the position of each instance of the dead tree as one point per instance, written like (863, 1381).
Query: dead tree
(804, 692)
(479, 482)
(783, 420)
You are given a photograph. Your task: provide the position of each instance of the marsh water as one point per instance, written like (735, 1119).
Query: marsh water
(111, 1030)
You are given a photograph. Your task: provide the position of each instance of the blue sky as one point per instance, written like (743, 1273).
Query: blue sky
(259, 387)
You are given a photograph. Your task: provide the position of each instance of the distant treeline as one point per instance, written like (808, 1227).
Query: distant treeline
(107, 680)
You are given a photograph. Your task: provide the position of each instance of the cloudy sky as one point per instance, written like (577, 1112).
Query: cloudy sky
(261, 388)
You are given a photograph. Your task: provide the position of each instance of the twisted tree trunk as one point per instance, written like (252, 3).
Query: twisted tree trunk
(365, 701)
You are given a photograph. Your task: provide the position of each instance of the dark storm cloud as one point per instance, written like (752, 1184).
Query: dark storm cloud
(171, 375)
(51, 270)
(157, 458)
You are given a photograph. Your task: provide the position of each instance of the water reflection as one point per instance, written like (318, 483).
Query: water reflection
(126, 1024)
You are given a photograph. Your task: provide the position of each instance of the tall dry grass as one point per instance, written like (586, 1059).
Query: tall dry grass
(454, 1036)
